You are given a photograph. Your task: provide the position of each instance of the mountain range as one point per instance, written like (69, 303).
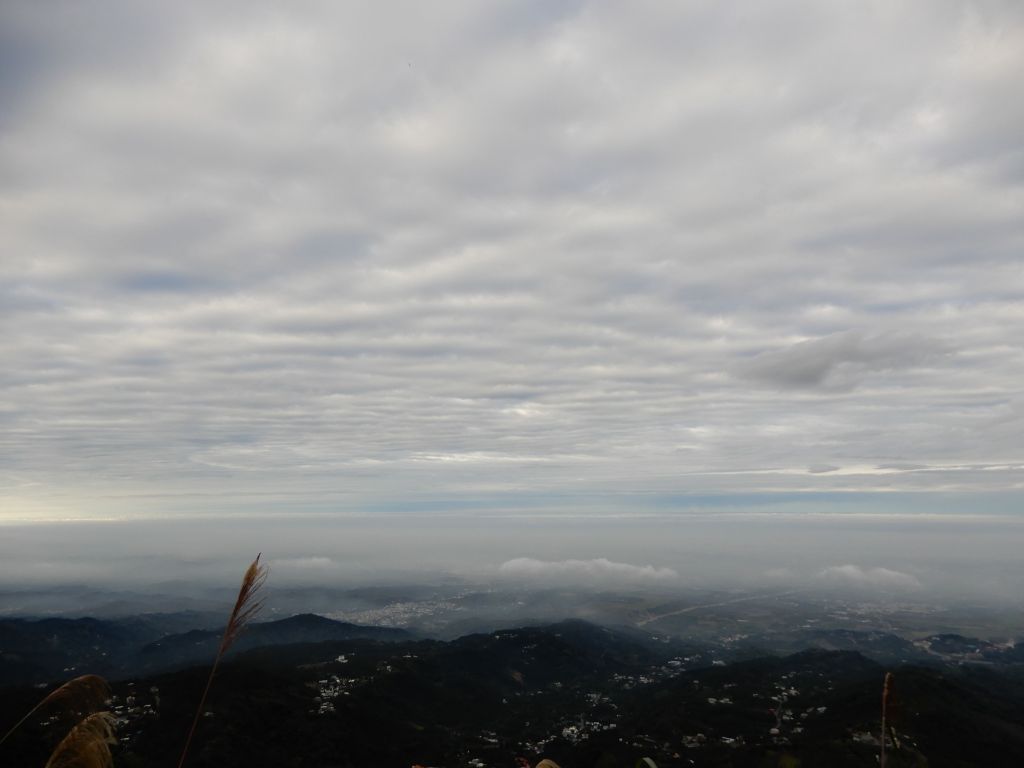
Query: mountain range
(309, 691)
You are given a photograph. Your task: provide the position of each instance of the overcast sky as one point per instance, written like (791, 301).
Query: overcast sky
(546, 257)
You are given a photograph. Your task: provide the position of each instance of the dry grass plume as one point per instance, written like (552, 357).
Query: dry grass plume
(87, 745)
(77, 698)
(248, 604)
(885, 704)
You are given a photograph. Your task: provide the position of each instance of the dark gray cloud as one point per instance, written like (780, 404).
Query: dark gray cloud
(842, 360)
(310, 259)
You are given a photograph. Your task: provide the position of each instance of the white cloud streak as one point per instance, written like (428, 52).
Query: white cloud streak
(873, 578)
(598, 571)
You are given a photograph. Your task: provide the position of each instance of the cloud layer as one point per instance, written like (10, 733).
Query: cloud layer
(268, 259)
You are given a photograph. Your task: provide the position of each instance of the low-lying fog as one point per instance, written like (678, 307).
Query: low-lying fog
(975, 557)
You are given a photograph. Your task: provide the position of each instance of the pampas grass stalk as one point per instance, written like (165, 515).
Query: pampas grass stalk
(247, 605)
(82, 695)
(87, 745)
(885, 704)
